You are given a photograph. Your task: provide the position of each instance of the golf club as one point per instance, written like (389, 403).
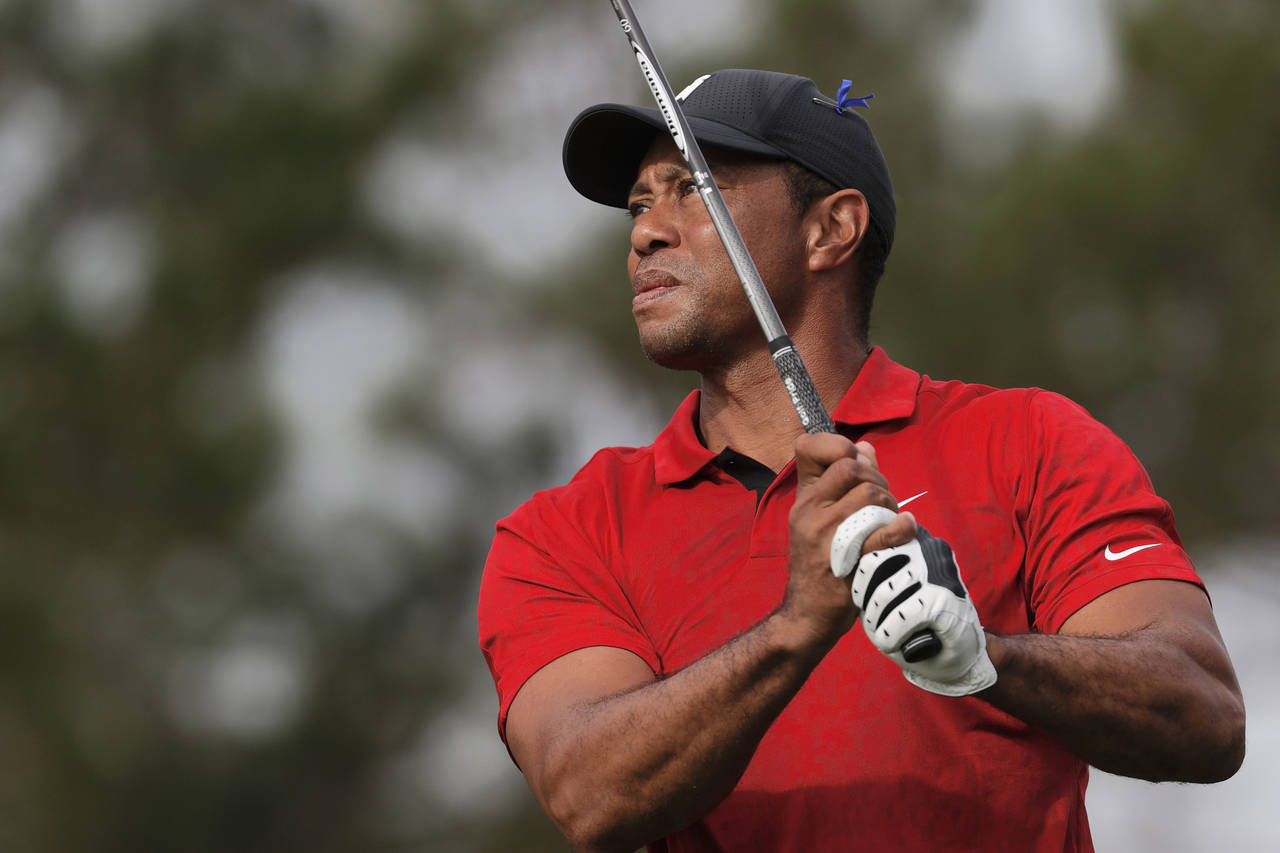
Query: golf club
(804, 396)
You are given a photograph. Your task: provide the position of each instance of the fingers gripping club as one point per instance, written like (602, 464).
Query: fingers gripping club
(846, 550)
(846, 545)
(908, 587)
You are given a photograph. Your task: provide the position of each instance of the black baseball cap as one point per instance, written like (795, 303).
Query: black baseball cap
(759, 112)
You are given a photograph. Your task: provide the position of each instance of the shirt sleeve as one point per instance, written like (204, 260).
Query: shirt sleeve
(547, 591)
(1093, 521)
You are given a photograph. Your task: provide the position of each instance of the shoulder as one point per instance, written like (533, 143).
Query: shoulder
(1039, 441)
(975, 405)
(1022, 433)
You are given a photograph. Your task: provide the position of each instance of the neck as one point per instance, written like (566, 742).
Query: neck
(746, 406)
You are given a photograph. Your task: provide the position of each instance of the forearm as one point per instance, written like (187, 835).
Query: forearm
(1142, 704)
(635, 767)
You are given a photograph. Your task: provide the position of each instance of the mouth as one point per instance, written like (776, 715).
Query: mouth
(652, 285)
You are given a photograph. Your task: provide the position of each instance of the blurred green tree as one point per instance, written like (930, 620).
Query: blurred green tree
(170, 182)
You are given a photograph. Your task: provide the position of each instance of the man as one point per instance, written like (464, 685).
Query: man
(671, 643)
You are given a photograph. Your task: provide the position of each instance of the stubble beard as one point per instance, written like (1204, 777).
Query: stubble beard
(679, 346)
(692, 340)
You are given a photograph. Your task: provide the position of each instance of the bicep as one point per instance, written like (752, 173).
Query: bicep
(1139, 605)
(1176, 610)
(545, 708)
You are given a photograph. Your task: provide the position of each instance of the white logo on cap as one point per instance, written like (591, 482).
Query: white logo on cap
(688, 90)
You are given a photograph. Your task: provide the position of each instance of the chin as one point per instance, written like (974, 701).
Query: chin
(671, 358)
(682, 349)
(673, 351)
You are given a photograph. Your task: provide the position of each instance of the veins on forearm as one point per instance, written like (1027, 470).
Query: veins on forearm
(1134, 703)
(643, 762)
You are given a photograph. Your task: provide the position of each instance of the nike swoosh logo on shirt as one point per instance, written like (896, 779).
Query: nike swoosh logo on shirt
(1120, 555)
(901, 504)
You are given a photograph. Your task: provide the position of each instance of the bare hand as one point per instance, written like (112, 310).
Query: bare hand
(835, 478)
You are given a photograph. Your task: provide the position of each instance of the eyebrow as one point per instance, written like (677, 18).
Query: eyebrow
(722, 164)
(667, 174)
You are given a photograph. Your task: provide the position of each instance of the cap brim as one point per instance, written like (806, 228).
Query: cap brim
(605, 144)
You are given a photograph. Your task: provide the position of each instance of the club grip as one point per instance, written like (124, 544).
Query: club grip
(808, 405)
(921, 646)
(813, 415)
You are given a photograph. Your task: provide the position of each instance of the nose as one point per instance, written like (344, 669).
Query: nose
(653, 230)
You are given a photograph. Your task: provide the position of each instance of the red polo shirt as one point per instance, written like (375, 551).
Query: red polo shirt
(659, 551)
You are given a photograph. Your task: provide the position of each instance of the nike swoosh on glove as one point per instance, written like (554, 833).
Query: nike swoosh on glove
(914, 587)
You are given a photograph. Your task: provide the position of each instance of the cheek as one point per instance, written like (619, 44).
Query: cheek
(776, 246)
(767, 223)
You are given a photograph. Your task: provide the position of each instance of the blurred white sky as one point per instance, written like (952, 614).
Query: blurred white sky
(36, 133)
(1053, 56)
(1050, 60)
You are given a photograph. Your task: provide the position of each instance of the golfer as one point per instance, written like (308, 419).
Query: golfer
(698, 644)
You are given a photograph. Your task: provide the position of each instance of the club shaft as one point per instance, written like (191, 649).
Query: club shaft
(804, 396)
(799, 384)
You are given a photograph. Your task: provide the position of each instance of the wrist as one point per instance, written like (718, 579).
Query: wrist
(999, 649)
(800, 637)
(1002, 652)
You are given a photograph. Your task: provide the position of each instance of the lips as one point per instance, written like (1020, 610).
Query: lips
(650, 285)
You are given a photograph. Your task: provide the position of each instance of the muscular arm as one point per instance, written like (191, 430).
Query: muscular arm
(619, 758)
(649, 756)
(1138, 683)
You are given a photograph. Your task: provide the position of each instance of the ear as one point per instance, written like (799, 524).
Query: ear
(835, 226)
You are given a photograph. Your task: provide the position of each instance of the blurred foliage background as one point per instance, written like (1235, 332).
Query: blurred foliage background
(295, 302)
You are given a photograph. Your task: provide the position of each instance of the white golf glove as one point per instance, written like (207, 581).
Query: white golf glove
(911, 590)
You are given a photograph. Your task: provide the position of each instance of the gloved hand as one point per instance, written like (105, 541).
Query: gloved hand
(911, 588)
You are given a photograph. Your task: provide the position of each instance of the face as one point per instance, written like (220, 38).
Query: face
(689, 306)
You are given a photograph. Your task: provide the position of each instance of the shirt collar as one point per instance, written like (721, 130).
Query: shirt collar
(677, 452)
(882, 391)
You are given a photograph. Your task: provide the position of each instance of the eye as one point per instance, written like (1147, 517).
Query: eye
(688, 186)
(636, 208)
